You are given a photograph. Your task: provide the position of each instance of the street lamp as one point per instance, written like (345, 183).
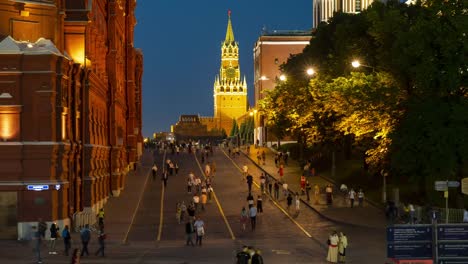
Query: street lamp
(357, 64)
(282, 77)
(310, 71)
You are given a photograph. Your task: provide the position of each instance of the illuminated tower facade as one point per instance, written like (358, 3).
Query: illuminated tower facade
(230, 90)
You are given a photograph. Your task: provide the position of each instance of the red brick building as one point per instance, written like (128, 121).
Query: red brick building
(271, 50)
(70, 109)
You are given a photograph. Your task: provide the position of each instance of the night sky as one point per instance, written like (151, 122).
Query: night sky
(181, 42)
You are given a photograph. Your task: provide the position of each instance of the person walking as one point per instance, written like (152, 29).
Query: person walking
(53, 238)
(307, 190)
(332, 256)
(285, 189)
(164, 178)
(243, 218)
(360, 197)
(263, 157)
(154, 170)
(101, 241)
(42, 227)
(276, 190)
(281, 171)
(176, 168)
(100, 216)
(245, 172)
(189, 185)
(250, 200)
(85, 235)
(183, 211)
(303, 184)
(66, 239)
(196, 201)
(342, 245)
(191, 211)
(329, 193)
(316, 193)
(249, 179)
(200, 230)
(297, 202)
(203, 198)
(253, 217)
(289, 201)
(270, 184)
(189, 230)
(262, 183)
(259, 204)
(37, 239)
(352, 196)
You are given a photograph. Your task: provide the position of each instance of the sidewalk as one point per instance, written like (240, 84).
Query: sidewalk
(340, 212)
(119, 211)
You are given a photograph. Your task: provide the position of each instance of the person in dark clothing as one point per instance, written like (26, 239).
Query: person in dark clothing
(101, 240)
(191, 211)
(189, 230)
(307, 190)
(42, 227)
(259, 204)
(250, 200)
(164, 178)
(66, 239)
(289, 200)
(249, 182)
(270, 184)
(53, 238)
(85, 235)
(276, 190)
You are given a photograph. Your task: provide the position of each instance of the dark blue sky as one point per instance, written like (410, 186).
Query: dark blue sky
(181, 43)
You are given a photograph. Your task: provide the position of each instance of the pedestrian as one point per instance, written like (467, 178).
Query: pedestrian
(281, 171)
(101, 241)
(37, 238)
(329, 193)
(360, 197)
(243, 218)
(412, 212)
(332, 255)
(307, 189)
(342, 245)
(100, 216)
(213, 168)
(189, 230)
(245, 172)
(196, 201)
(176, 168)
(183, 211)
(189, 185)
(297, 201)
(249, 179)
(66, 239)
(316, 193)
(262, 183)
(285, 189)
(259, 204)
(210, 192)
(303, 184)
(276, 160)
(42, 227)
(253, 217)
(85, 235)
(171, 168)
(164, 178)
(259, 158)
(276, 190)
(53, 238)
(263, 157)
(191, 211)
(250, 200)
(270, 184)
(289, 200)
(203, 198)
(178, 212)
(154, 170)
(352, 196)
(207, 170)
(200, 230)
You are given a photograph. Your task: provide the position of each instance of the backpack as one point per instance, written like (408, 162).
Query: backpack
(242, 257)
(257, 259)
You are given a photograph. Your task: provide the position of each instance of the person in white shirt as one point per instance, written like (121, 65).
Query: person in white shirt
(333, 241)
(352, 196)
(199, 230)
(253, 217)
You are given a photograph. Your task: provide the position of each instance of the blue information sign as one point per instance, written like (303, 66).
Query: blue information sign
(409, 233)
(410, 251)
(38, 187)
(453, 249)
(452, 232)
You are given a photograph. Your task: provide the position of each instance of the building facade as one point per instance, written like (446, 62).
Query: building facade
(70, 109)
(323, 9)
(270, 51)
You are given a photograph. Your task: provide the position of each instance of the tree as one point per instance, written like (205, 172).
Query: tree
(234, 129)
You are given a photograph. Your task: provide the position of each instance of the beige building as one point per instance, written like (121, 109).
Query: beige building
(323, 9)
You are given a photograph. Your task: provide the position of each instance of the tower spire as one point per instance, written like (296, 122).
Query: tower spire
(229, 32)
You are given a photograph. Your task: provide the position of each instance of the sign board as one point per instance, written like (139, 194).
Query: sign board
(452, 232)
(409, 233)
(38, 187)
(453, 184)
(453, 261)
(410, 251)
(453, 249)
(440, 185)
(464, 185)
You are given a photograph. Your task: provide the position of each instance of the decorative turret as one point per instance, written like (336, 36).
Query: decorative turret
(230, 91)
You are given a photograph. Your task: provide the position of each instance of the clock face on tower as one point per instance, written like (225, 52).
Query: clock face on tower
(230, 73)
